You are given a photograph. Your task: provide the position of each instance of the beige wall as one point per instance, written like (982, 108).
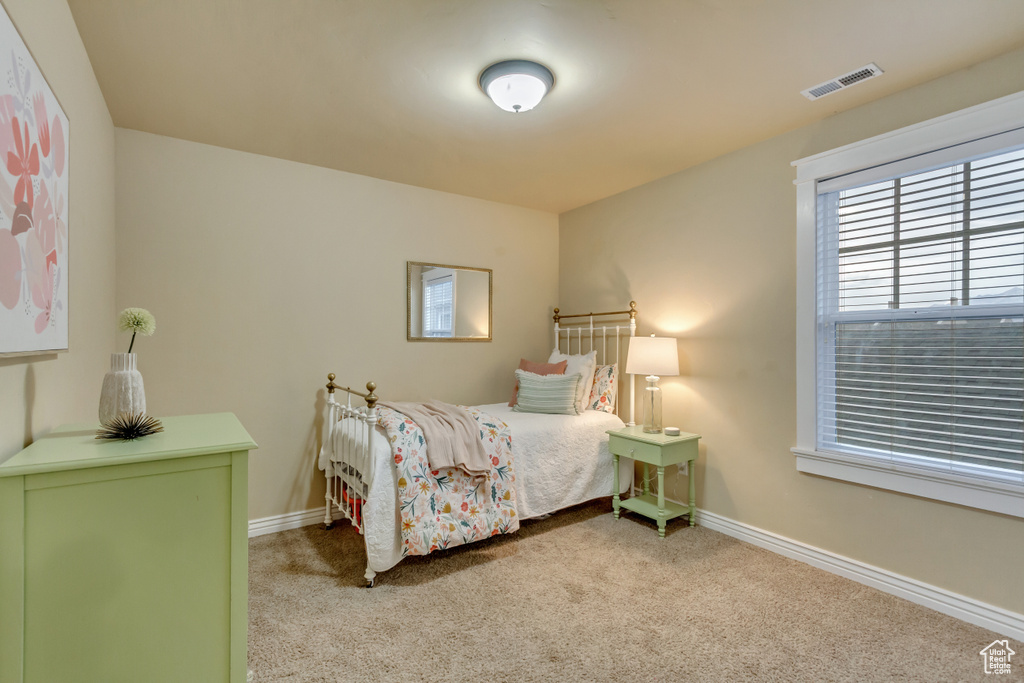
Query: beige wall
(38, 393)
(264, 275)
(709, 255)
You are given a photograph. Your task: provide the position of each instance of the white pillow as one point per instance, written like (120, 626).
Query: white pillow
(583, 365)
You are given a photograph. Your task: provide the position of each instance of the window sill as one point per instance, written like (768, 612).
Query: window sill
(1004, 498)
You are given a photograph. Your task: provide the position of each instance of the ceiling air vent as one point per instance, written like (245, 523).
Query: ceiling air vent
(844, 81)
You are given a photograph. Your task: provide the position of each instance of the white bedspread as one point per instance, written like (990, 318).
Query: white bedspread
(560, 460)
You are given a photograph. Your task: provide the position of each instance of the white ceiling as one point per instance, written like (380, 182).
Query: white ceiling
(388, 88)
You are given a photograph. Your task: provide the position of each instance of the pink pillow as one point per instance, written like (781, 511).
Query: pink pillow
(537, 369)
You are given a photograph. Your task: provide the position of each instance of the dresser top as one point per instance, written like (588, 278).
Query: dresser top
(75, 446)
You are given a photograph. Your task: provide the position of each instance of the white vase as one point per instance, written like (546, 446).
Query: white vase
(122, 388)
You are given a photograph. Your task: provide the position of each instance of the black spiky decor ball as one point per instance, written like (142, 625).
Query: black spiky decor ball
(128, 427)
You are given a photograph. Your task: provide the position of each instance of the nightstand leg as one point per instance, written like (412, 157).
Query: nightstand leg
(615, 487)
(661, 502)
(693, 492)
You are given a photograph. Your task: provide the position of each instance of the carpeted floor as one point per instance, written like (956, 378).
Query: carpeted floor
(581, 597)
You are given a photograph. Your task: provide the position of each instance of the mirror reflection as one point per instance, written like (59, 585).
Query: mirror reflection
(448, 303)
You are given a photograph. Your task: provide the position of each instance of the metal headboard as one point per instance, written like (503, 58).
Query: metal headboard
(583, 326)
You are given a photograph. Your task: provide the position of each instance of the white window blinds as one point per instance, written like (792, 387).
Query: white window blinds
(920, 283)
(438, 306)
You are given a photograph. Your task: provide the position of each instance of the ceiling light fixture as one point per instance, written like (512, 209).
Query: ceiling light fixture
(516, 85)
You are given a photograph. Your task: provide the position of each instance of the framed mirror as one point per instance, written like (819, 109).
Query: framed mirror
(448, 303)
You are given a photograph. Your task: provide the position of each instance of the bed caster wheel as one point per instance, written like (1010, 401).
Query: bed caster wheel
(369, 584)
(328, 527)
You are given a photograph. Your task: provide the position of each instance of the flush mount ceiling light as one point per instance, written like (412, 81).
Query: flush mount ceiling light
(516, 85)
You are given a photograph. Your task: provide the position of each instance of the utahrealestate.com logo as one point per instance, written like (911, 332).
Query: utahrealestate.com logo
(997, 657)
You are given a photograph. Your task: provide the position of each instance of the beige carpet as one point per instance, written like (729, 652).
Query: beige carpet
(581, 597)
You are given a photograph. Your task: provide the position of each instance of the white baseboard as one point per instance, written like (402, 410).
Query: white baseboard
(1002, 621)
(289, 520)
(972, 611)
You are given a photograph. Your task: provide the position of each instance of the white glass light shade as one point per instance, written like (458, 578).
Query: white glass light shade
(516, 85)
(652, 355)
(517, 92)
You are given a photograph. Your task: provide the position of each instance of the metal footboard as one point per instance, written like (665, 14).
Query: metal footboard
(349, 441)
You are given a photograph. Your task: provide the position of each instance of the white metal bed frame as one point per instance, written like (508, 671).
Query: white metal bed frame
(587, 325)
(351, 430)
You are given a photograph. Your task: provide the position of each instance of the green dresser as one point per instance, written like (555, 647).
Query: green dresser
(126, 561)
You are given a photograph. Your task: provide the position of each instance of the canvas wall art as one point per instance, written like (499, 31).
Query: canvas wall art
(33, 204)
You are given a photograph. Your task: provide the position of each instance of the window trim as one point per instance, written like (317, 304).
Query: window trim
(984, 494)
(985, 119)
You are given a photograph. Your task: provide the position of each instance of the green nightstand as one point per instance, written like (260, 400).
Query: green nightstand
(658, 450)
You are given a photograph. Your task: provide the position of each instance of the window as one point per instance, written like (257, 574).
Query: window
(438, 303)
(918, 320)
(921, 323)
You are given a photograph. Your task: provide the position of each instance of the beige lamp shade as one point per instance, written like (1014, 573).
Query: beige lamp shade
(653, 356)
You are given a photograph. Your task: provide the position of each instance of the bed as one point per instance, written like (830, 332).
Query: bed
(374, 458)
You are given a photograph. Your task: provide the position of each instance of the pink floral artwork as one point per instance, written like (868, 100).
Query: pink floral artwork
(33, 204)
(10, 265)
(24, 165)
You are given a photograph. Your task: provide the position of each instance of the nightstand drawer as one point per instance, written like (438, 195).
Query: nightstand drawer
(628, 448)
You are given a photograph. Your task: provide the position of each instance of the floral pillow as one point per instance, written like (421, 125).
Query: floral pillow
(602, 396)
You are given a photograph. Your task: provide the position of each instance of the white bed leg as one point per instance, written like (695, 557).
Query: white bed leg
(370, 576)
(327, 514)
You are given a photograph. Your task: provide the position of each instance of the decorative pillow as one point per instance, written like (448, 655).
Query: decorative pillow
(584, 365)
(552, 394)
(602, 396)
(537, 369)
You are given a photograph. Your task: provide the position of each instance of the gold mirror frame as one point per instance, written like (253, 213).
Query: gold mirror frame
(409, 265)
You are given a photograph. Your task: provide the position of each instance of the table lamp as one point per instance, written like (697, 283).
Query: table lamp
(655, 357)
